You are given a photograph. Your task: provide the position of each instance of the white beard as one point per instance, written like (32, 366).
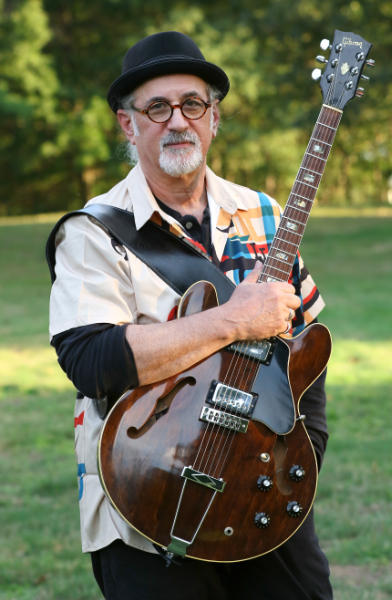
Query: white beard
(180, 161)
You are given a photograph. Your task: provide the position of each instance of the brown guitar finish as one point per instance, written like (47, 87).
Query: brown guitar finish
(153, 432)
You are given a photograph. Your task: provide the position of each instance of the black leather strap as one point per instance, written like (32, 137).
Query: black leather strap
(174, 260)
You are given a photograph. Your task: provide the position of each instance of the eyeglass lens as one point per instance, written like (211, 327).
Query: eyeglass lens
(191, 108)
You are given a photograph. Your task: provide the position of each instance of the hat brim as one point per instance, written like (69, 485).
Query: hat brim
(166, 65)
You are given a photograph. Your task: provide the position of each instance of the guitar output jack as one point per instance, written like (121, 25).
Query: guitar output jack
(228, 531)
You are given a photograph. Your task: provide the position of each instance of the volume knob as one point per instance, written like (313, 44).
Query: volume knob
(264, 483)
(294, 509)
(262, 520)
(297, 473)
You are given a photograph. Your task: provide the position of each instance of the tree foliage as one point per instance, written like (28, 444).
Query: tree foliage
(60, 144)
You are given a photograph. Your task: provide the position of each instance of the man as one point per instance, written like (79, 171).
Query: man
(112, 316)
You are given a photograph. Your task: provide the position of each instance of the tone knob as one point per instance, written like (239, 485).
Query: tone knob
(297, 473)
(294, 509)
(264, 483)
(262, 520)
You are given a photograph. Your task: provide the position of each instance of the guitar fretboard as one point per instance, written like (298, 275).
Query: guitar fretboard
(291, 228)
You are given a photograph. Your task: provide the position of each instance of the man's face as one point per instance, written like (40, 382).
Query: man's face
(180, 145)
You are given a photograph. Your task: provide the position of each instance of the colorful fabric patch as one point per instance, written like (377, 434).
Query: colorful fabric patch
(79, 419)
(81, 472)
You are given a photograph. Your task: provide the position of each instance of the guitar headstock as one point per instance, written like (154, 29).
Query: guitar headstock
(343, 70)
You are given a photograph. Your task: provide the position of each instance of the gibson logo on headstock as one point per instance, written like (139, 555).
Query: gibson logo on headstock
(347, 41)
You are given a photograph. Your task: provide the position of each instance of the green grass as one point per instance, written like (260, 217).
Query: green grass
(40, 558)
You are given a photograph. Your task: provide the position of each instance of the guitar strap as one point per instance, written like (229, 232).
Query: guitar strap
(170, 257)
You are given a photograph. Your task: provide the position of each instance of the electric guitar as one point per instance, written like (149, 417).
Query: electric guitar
(215, 463)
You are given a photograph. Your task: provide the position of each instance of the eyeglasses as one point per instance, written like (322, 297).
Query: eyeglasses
(162, 111)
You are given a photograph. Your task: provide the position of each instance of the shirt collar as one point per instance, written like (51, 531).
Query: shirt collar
(144, 204)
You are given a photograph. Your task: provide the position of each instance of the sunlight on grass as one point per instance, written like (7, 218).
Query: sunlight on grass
(29, 369)
(355, 362)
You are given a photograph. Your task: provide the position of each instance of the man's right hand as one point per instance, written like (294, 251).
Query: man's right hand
(260, 310)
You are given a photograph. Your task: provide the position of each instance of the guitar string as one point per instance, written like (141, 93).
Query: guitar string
(213, 430)
(236, 381)
(229, 437)
(327, 122)
(213, 427)
(226, 438)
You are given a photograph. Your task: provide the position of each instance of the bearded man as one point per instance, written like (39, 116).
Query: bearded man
(111, 316)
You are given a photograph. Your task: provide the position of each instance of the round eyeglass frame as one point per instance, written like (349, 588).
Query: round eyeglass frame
(146, 111)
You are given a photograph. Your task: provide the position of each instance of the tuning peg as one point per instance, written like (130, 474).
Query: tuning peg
(321, 59)
(360, 92)
(365, 77)
(370, 62)
(325, 44)
(316, 74)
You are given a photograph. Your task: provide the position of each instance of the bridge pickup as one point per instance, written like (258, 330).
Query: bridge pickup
(231, 399)
(260, 350)
(223, 419)
(203, 479)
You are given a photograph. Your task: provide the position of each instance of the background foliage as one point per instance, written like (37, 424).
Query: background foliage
(59, 143)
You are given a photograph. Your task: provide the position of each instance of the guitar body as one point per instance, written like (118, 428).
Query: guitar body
(230, 495)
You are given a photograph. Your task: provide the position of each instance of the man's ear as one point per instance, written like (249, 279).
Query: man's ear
(126, 124)
(215, 119)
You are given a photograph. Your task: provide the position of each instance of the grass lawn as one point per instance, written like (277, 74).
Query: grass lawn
(40, 558)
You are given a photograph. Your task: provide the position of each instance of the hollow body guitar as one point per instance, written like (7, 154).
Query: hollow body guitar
(215, 463)
(183, 461)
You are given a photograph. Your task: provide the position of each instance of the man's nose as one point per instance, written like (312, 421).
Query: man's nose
(177, 120)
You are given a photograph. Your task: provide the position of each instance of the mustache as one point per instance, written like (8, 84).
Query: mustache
(177, 137)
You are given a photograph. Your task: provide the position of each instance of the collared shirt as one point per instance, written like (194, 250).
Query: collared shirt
(98, 281)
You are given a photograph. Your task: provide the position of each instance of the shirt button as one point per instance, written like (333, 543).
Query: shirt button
(188, 225)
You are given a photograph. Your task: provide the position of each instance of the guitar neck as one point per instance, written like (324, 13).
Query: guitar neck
(288, 237)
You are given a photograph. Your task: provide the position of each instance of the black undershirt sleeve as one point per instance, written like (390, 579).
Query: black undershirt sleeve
(97, 359)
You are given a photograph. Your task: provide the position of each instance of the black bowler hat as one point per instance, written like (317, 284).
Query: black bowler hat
(164, 54)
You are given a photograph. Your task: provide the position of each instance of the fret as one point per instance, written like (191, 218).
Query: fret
(290, 231)
(285, 241)
(315, 187)
(325, 125)
(284, 216)
(306, 212)
(321, 141)
(278, 260)
(286, 272)
(282, 255)
(311, 170)
(314, 156)
(279, 251)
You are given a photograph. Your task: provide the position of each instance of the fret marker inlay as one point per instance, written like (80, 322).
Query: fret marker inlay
(292, 226)
(299, 202)
(319, 149)
(309, 178)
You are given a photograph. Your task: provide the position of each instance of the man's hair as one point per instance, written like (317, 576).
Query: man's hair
(126, 103)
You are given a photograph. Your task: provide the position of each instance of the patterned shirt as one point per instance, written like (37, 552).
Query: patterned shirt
(99, 282)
